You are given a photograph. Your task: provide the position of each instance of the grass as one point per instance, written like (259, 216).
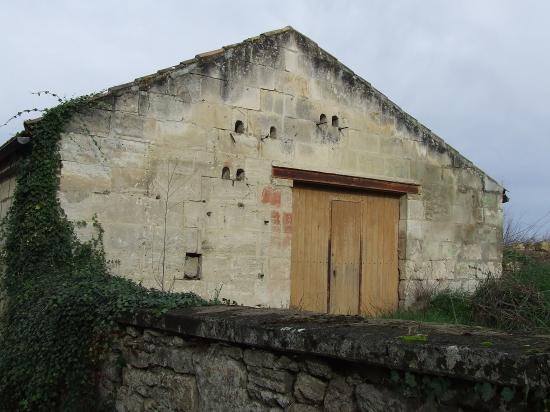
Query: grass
(442, 307)
(519, 300)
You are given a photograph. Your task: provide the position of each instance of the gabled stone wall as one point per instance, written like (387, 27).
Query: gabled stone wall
(186, 197)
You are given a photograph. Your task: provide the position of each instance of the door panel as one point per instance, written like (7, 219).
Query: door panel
(310, 236)
(356, 233)
(345, 257)
(380, 277)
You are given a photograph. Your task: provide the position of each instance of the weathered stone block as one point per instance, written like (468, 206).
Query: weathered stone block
(89, 177)
(279, 265)
(162, 107)
(193, 214)
(269, 398)
(206, 115)
(178, 359)
(127, 180)
(339, 396)
(309, 389)
(412, 210)
(392, 147)
(272, 102)
(280, 149)
(237, 144)
(258, 171)
(244, 243)
(343, 160)
(79, 148)
(91, 122)
(428, 174)
(309, 155)
(492, 217)
(430, 249)
(260, 124)
(372, 399)
(258, 76)
(275, 380)
(449, 250)
(397, 168)
(415, 229)
(369, 164)
(437, 203)
(127, 101)
(491, 200)
(301, 407)
(462, 214)
(470, 179)
(182, 136)
(491, 251)
(221, 382)
(292, 61)
(256, 357)
(297, 107)
(245, 97)
(298, 130)
(291, 83)
(186, 86)
(192, 240)
(122, 152)
(359, 140)
(490, 185)
(211, 89)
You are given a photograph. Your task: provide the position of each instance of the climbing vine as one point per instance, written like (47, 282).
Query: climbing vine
(440, 390)
(62, 302)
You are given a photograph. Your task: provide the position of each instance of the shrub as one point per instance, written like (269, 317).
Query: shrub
(62, 303)
(519, 300)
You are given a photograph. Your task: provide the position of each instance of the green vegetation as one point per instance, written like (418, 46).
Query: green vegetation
(519, 300)
(440, 389)
(62, 301)
(440, 307)
(414, 338)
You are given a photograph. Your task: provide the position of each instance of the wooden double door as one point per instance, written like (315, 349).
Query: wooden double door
(344, 251)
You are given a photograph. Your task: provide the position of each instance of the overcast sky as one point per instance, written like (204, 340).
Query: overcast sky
(475, 72)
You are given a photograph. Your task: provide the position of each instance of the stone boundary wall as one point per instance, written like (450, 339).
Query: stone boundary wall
(246, 359)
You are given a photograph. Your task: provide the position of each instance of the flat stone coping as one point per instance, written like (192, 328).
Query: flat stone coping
(470, 353)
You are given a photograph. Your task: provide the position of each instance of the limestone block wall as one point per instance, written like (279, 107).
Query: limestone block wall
(177, 167)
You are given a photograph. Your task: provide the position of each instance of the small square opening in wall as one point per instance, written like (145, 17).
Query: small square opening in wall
(193, 266)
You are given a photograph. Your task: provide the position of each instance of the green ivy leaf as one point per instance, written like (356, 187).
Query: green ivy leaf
(410, 380)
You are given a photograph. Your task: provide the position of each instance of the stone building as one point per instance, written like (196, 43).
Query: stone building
(268, 173)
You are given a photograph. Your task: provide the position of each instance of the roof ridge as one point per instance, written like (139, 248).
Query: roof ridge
(427, 135)
(205, 55)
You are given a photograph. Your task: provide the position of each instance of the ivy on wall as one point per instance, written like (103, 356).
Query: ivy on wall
(62, 301)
